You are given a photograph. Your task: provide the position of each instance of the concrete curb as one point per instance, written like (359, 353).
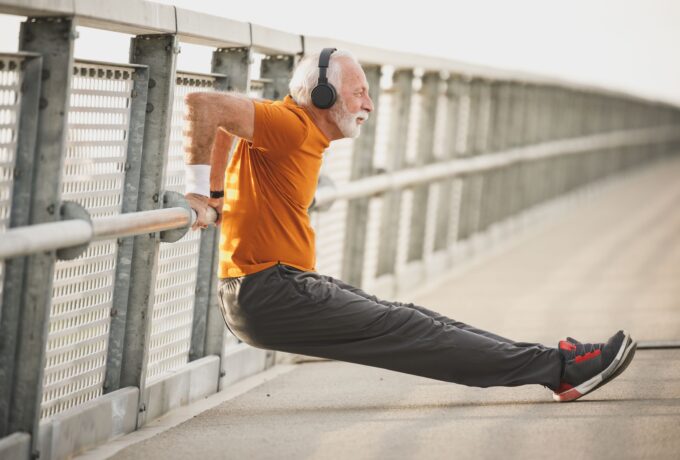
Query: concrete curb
(89, 424)
(16, 446)
(191, 382)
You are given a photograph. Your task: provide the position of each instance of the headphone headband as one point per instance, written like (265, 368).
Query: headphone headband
(324, 61)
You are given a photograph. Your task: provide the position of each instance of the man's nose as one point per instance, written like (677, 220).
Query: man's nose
(368, 104)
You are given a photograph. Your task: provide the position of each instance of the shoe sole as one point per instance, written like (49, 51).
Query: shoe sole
(621, 361)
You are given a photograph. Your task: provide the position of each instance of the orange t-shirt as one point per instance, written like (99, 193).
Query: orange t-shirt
(269, 184)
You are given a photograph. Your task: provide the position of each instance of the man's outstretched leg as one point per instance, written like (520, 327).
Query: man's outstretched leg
(432, 314)
(285, 309)
(282, 308)
(588, 366)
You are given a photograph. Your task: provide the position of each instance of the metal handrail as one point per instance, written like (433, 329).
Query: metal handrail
(143, 17)
(22, 241)
(460, 166)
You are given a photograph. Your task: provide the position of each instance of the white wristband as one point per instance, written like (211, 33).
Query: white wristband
(197, 179)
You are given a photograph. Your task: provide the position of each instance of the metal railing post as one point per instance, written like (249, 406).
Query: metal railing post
(53, 38)
(362, 166)
(446, 198)
(278, 69)
(234, 63)
(121, 290)
(424, 155)
(10, 305)
(474, 95)
(159, 52)
(397, 138)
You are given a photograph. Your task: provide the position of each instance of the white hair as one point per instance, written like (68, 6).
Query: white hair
(306, 75)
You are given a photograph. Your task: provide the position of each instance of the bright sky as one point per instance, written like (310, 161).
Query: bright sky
(623, 44)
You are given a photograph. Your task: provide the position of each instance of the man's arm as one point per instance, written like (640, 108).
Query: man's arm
(206, 112)
(211, 121)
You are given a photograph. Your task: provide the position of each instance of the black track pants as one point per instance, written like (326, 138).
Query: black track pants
(283, 308)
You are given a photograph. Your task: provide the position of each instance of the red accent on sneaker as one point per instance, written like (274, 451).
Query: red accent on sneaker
(568, 346)
(564, 386)
(587, 356)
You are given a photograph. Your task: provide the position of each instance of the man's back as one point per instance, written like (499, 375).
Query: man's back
(269, 185)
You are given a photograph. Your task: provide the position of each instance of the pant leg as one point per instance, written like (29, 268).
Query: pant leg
(285, 309)
(432, 314)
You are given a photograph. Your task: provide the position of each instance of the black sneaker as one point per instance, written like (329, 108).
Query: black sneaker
(588, 366)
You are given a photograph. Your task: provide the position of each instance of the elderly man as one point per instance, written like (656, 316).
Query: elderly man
(271, 295)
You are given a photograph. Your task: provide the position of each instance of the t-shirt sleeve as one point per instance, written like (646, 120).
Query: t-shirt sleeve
(277, 129)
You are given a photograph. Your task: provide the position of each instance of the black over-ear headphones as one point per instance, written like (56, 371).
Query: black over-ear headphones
(324, 94)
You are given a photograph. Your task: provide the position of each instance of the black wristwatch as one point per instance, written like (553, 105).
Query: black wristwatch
(216, 193)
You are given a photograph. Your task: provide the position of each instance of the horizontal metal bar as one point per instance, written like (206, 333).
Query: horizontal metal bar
(21, 241)
(140, 17)
(437, 171)
(207, 29)
(269, 40)
(658, 344)
(138, 223)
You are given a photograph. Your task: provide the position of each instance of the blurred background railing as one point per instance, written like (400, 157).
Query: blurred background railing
(108, 314)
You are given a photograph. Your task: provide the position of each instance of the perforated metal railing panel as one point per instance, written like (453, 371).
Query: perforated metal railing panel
(175, 288)
(375, 205)
(10, 95)
(82, 291)
(330, 226)
(404, 229)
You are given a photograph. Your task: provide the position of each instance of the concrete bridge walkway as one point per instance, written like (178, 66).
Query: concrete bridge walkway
(610, 261)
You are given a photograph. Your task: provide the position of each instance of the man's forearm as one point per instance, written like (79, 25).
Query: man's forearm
(219, 157)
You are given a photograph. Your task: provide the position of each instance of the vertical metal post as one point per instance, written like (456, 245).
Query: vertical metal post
(121, 288)
(494, 116)
(362, 166)
(53, 38)
(483, 117)
(234, 63)
(278, 69)
(503, 113)
(10, 310)
(473, 117)
(441, 235)
(159, 52)
(208, 264)
(516, 119)
(424, 155)
(398, 132)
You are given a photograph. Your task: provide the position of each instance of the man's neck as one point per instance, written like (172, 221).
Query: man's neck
(322, 120)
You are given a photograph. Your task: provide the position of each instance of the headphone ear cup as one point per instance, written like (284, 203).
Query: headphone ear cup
(324, 95)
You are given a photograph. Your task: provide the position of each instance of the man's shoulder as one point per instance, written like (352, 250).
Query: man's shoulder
(280, 126)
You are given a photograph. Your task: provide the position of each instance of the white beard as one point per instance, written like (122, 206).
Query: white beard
(346, 121)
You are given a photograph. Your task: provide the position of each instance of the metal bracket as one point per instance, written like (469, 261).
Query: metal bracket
(174, 200)
(71, 210)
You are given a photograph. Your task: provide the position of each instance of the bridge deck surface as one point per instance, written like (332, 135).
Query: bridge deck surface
(611, 262)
